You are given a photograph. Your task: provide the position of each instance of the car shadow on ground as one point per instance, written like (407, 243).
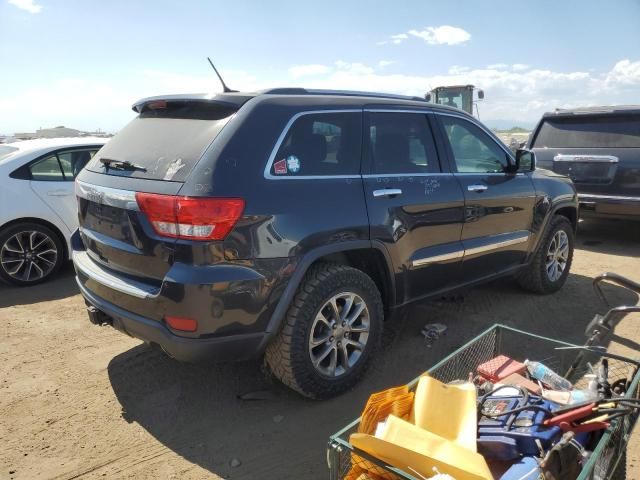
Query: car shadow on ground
(195, 410)
(62, 285)
(611, 237)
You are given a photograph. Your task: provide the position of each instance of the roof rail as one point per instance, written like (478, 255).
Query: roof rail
(344, 93)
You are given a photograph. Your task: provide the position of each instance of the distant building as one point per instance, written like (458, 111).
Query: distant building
(58, 132)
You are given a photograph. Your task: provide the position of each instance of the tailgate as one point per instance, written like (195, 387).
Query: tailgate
(590, 169)
(117, 235)
(611, 171)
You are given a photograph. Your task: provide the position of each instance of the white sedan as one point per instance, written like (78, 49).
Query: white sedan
(38, 205)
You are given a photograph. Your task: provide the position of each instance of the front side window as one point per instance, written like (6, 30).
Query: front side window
(320, 144)
(473, 150)
(401, 143)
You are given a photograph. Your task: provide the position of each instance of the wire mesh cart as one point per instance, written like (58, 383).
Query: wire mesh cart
(607, 459)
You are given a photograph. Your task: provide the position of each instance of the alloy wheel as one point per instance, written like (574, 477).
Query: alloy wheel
(28, 256)
(557, 255)
(339, 334)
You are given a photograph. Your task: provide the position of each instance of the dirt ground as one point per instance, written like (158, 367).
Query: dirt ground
(79, 401)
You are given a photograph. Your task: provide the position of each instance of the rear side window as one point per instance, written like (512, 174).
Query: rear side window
(401, 143)
(73, 162)
(590, 132)
(320, 144)
(166, 140)
(47, 170)
(60, 166)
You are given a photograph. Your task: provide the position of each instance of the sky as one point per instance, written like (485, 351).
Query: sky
(83, 63)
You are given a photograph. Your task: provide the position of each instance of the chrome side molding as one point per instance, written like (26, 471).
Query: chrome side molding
(496, 245)
(438, 258)
(520, 237)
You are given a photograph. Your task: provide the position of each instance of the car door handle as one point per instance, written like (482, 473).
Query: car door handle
(387, 192)
(477, 188)
(58, 193)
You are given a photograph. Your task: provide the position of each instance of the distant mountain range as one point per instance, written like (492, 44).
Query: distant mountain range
(508, 125)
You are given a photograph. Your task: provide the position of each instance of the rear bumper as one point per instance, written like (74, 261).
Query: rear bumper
(232, 302)
(231, 347)
(609, 205)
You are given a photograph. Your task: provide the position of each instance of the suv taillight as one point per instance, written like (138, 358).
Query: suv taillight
(190, 218)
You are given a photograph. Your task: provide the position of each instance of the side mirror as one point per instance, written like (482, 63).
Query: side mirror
(512, 166)
(427, 97)
(525, 160)
(480, 94)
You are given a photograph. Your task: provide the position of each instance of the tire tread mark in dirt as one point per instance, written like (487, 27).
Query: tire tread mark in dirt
(134, 456)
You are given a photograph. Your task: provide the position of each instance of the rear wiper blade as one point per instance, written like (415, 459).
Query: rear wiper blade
(121, 164)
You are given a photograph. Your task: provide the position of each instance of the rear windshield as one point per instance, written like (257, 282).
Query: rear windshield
(590, 132)
(6, 150)
(166, 140)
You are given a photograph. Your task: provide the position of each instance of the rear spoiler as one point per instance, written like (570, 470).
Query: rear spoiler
(235, 100)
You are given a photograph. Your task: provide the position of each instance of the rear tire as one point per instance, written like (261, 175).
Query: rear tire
(549, 269)
(30, 253)
(331, 331)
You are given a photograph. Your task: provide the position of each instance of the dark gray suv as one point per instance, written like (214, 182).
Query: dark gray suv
(599, 148)
(292, 222)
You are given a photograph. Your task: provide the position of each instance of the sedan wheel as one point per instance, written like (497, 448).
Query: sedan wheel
(28, 256)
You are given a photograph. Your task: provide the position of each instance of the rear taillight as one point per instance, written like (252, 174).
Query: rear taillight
(190, 218)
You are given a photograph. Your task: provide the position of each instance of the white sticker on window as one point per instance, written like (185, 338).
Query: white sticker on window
(293, 164)
(175, 166)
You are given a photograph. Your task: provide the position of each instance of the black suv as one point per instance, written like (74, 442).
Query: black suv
(599, 148)
(291, 222)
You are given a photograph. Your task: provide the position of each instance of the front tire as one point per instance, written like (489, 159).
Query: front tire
(549, 269)
(331, 331)
(30, 253)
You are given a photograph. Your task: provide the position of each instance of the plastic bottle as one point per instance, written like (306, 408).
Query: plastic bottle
(574, 397)
(592, 382)
(547, 376)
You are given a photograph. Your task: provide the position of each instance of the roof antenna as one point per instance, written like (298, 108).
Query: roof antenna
(225, 89)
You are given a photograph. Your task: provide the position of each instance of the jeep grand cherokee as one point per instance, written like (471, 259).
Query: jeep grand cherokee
(291, 222)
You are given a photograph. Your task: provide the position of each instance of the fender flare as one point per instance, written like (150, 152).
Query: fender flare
(552, 211)
(568, 203)
(303, 265)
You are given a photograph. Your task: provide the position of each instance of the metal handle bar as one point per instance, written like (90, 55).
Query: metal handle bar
(621, 311)
(616, 279)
